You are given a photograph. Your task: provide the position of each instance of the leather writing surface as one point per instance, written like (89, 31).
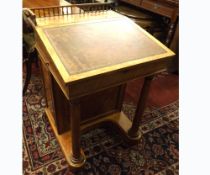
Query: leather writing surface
(89, 46)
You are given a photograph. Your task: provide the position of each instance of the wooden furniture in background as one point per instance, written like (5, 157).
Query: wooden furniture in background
(29, 58)
(29, 51)
(167, 8)
(86, 60)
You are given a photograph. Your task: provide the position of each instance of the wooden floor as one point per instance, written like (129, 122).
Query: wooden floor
(163, 91)
(43, 3)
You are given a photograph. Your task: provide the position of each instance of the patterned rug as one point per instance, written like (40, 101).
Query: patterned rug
(157, 152)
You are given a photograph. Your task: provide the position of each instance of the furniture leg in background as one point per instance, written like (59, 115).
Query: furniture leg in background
(30, 58)
(28, 73)
(171, 31)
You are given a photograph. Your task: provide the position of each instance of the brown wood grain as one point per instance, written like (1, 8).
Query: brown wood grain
(93, 106)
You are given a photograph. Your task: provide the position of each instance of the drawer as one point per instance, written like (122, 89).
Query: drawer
(133, 2)
(157, 7)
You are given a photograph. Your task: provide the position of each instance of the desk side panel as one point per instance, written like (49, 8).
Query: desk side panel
(46, 77)
(93, 106)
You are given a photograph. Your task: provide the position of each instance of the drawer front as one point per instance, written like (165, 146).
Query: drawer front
(157, 8)
(133, 2)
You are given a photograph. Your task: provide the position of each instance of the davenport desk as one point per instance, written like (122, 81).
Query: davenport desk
(86, 61)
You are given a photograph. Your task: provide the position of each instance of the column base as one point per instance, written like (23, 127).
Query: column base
(77, 163)
(65, 143)
(135, 136)
(119, 120)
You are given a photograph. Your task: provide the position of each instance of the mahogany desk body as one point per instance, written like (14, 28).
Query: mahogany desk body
(86, 61)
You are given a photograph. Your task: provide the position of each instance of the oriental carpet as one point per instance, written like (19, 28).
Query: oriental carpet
(157, 152)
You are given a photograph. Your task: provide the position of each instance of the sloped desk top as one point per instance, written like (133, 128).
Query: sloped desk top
(88, 46)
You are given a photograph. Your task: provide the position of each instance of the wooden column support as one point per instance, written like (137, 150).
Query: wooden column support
(76, 157)
(70, 140)
(133, 132)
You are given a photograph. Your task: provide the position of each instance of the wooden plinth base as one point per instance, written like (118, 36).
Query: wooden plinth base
(119, 120)
(65, 143)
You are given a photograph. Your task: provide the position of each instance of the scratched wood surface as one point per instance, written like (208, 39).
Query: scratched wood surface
(85, 47)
